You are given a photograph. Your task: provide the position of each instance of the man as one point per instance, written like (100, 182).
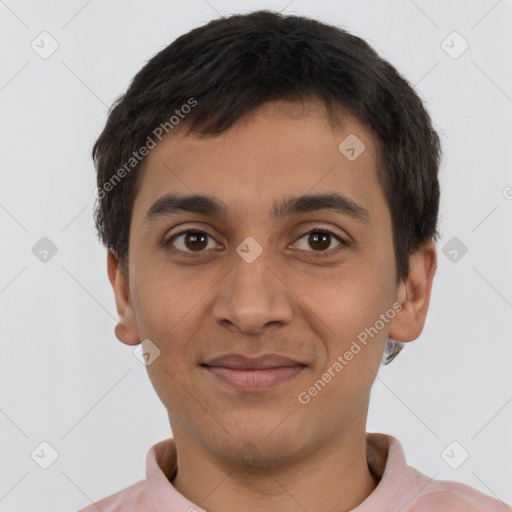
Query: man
(268, 195)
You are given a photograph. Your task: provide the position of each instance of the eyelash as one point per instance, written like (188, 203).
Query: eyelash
(315, 254)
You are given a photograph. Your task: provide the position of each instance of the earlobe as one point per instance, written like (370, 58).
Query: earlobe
(414, 295)
(126, 329)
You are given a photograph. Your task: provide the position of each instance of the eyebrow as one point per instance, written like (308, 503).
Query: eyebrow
(171, 204)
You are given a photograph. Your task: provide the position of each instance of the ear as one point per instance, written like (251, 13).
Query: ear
(414, 295)
(126, 329)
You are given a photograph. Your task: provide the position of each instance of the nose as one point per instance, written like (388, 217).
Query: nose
(253, 297)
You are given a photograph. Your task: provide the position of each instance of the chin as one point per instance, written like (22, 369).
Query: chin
(257, 447)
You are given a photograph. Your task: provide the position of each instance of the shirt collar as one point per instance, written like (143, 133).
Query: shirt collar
(384, 454)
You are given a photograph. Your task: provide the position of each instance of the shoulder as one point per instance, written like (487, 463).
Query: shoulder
(455, 497)
(130, 499)
(410, 490)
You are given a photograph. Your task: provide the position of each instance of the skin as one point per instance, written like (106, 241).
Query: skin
(265, 450)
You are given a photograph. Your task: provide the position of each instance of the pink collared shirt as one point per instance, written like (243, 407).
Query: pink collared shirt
(400, 488)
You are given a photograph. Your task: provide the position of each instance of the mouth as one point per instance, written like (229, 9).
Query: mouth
(253, 374)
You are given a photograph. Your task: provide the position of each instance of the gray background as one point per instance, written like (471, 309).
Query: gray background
(64, 377)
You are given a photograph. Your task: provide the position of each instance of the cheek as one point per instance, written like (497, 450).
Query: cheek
(346, 299)
(165, 298)
(348, 306)
(350, 310)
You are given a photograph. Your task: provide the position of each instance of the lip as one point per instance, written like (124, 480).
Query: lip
(262, 362)
(253, 374)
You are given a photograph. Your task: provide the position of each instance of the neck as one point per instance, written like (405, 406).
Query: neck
(332, 477)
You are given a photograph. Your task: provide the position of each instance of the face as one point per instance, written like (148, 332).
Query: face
(256, 278)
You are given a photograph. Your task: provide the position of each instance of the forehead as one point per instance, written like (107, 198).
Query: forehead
(282, 149)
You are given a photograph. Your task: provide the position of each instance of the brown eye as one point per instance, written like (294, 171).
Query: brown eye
(320, 241)
(195, 240)
(191, 241)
